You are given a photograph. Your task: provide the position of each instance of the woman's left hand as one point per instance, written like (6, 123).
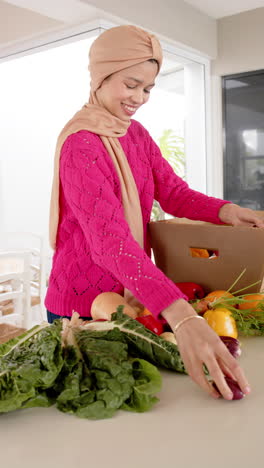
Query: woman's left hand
(238, 216)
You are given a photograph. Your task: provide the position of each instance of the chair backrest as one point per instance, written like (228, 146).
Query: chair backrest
(34, 243)
(15, 288)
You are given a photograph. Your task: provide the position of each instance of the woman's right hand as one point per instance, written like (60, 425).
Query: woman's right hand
(199, 345)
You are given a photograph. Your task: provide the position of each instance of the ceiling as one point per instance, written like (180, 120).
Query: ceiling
(220, 8)
(73, 10)
(68, 11)
(24, 20)
(28, 19)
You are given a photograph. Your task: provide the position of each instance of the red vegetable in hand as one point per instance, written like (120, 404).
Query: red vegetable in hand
(191, 290)
(151, 323)
(234, 387)
(232, 345)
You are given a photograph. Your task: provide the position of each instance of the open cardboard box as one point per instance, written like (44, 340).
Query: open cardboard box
(239, 248)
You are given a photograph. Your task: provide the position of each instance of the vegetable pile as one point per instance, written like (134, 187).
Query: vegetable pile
(231, 314)
(228, 314)
(90, 369)
(93, 369)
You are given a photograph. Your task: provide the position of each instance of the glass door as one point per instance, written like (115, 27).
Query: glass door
(243, 106)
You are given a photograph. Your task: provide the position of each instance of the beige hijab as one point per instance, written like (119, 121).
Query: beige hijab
(114, 50)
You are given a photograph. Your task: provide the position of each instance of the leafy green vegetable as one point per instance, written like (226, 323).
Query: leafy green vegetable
(104, 379)
(147, 383)
(249, 322)
(72, 389)
(141, 341)
(98, 385)
(29, 364)
(6, 348)
(90, 370)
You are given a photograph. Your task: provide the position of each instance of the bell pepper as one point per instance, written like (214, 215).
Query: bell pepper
(150, 322)
(191, 290)
(221, 321)
(195, 252)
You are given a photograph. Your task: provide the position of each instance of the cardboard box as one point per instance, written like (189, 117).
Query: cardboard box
(238, 248)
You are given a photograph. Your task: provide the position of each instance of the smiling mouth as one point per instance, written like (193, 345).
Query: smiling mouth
(130, 108)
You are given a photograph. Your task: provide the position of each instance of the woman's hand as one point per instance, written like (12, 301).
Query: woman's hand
(237, 216)
(199, 345)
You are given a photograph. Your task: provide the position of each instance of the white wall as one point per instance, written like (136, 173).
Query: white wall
(240, 43)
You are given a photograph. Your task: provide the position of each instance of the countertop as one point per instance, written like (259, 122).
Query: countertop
(186, 429)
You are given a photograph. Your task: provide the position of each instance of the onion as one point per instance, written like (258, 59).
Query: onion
(105, 304)
(169, 336)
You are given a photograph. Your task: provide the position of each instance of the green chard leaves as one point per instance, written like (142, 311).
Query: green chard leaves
(147, 383)
(90, 370)
(29, 364)
(141, 341)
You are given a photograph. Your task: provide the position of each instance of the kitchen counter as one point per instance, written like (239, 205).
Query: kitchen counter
(186, 429)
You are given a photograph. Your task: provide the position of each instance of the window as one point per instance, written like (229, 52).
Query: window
(175, 118)
(38, 94)
(41, 90)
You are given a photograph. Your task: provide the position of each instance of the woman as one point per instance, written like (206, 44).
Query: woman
(107, 173)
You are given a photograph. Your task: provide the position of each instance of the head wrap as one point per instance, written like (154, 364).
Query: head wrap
(115, 49)
(119, 48)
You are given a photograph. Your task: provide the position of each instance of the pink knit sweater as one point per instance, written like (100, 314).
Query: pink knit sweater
(95, 249)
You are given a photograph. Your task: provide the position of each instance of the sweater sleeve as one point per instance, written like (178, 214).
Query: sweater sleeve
(176, 197)
(88, 183)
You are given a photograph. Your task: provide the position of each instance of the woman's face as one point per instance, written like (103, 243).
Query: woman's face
(125, 91)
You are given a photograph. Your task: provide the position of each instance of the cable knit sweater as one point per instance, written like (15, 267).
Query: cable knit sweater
(95, 250)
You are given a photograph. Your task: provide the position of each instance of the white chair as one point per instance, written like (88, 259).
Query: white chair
(33, 243)
(15, 298)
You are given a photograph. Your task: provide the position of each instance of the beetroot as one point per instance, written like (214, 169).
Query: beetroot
(234, 387)
(232, 345)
